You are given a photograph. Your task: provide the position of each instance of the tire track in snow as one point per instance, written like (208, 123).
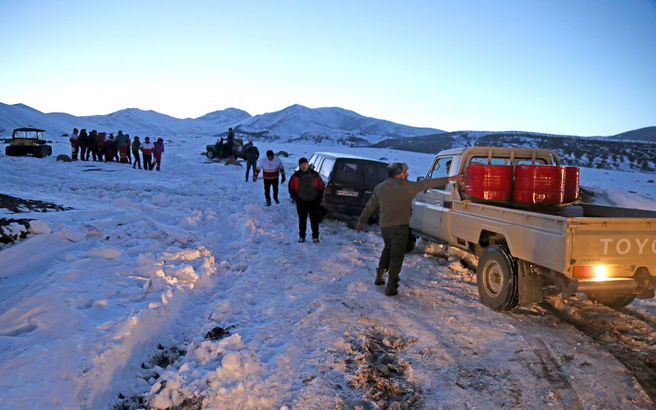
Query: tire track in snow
(628, 335)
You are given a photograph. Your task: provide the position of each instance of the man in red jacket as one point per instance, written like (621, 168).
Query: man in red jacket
(147, 149)
(306, 190)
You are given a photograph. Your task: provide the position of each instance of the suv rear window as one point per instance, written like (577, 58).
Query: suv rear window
(361, 174)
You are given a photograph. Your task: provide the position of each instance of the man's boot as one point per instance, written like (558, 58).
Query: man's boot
(391, 289)
(380, 276)
(392, 284)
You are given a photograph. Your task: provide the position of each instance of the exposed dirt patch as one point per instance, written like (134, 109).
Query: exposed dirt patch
(18, 205)
(164, 358)
(218, 333)
(12, 230)
(380, 371)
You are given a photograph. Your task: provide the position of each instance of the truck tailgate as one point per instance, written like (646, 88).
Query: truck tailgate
(626, 243)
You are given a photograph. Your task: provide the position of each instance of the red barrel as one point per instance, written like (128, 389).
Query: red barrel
(490, 182)
(539, 184)
(571, 184)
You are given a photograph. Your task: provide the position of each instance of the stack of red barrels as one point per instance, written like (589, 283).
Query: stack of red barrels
(532, 184)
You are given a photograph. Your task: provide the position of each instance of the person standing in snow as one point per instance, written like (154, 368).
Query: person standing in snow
(83, 142)
(271, 167)
(147, 149)
(158, 151)
(109, 147)
(135, 151)
(393, 197)
(229, 148)
(93, 145)
(306, 190)
(122, 146)
(127, 150)
(252, 155)
(74, 144)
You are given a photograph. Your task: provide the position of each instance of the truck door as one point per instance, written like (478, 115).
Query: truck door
(429, 206)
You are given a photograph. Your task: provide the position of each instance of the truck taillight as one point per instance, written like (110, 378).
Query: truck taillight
(595, 272)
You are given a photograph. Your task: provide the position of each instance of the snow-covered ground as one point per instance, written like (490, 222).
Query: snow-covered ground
(180, 288)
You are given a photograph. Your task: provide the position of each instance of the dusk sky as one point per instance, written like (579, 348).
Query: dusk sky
(580, 67)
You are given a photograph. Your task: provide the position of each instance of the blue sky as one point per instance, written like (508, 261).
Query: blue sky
(564, 67)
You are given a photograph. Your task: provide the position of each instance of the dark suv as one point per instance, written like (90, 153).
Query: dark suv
(349, 180)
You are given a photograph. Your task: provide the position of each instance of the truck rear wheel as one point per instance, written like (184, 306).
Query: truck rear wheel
(612, 300)
(496, 277)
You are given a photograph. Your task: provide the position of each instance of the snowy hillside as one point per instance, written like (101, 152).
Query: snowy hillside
(335, 123)
(292, 122)
(181, 289)
(602, 153)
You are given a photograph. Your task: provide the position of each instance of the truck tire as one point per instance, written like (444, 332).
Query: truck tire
(210, 153)
(496, 276)
(612, 300)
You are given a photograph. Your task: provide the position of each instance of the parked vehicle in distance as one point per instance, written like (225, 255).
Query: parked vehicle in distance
(349, 180)
(213, 151)
(607, 253)
(28, 141)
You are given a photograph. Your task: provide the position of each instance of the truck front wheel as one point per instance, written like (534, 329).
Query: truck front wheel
(496, 277)
(612, 300)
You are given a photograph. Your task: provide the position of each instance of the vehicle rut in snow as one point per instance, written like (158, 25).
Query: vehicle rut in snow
(628, 334)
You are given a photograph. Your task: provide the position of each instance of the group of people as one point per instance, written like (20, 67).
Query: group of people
(392, 198)
(98, 146)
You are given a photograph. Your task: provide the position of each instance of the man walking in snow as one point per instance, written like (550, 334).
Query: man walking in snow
(271, 167)
(393, 197)
(306, 190)
(252, 155)
(136, 144)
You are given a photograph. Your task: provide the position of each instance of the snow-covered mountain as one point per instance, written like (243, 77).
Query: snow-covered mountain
(292, 122)
(335, 122)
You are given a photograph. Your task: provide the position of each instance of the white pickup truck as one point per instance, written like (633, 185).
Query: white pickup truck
(608, 253)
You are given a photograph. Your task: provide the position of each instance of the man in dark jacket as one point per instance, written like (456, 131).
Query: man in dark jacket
(394, 199)
(229, 148)
(83, 142)
(252, 154)
(306, 190)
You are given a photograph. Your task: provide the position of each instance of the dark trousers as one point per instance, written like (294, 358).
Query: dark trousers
(311, 208)
(83, 153)
(396, 243)
(137, 160)
(147, 162)
(268, 183)
(249, 165)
